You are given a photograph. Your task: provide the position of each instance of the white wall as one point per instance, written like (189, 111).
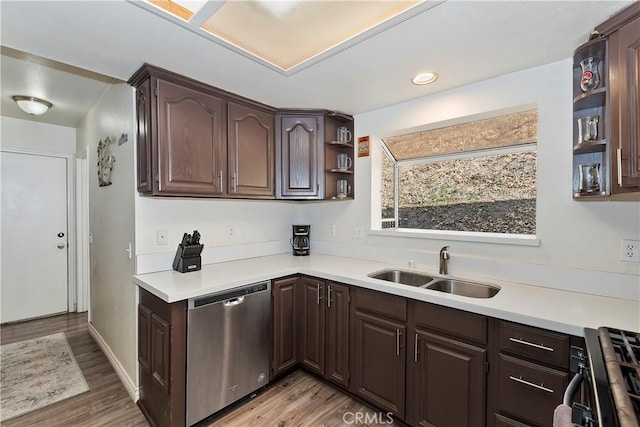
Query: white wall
(583, 236)
(35, 136)
(112, 295)
(260, 228)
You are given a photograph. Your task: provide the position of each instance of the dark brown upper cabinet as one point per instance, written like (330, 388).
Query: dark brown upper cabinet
(144, 106)
(251, 151)
(606, 155)
(624, 57)
(191, 141)
(307, 149)
(200, 141)
(299, 156)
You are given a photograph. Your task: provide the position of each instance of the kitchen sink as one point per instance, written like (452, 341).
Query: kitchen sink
(402, 277)
(467, 289)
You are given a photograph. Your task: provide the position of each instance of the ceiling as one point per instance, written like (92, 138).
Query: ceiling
(463, 41)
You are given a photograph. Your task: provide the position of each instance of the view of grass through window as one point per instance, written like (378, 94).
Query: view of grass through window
(475, 177)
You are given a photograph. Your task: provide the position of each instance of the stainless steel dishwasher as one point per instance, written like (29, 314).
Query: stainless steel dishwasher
(227, 348)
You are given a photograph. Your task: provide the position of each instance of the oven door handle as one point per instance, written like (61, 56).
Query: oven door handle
(572, 388)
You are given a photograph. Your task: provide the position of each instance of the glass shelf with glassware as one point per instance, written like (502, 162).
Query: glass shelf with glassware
(590, 112)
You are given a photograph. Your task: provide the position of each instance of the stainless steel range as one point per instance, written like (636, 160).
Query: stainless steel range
(612, 379)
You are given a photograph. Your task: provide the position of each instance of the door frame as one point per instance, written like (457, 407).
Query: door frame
(71, 217)
(82, 232)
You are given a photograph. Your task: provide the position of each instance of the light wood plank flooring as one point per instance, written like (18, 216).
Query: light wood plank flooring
(107, 403)
(299, 399)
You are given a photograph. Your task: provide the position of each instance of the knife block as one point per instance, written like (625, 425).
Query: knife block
(188, 258)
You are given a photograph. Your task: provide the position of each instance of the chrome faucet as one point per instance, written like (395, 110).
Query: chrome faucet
(444, 260)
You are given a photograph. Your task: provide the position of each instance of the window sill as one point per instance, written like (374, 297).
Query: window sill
(463, 236)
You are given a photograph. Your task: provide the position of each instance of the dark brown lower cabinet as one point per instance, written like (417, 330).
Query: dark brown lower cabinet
(162, 358)
(378, 350)
(445, 382)
(446, 367)
(311, 324)
(336, 362)
(529, 391)
(284, 315)
(324, 328)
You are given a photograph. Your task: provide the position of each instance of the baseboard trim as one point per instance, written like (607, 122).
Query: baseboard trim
(126, 380)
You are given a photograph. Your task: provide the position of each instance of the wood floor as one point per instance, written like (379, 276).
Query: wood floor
(299, 399)
(107, 403)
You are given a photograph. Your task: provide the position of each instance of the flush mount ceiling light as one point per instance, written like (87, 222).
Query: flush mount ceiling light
(32, 105)
(425, 78)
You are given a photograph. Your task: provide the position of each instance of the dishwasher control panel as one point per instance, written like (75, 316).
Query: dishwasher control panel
(229, 294)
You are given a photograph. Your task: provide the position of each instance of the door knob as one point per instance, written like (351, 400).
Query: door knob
(61, 245)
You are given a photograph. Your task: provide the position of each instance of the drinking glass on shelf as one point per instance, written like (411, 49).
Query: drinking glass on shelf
(344, 134)
(589, 177)
(344, 189)
(590, 78)
(344, 162)
(588, 128)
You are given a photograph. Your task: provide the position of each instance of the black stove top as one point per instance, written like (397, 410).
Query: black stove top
(615, 375)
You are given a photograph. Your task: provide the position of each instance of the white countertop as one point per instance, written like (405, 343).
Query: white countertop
(553, 309)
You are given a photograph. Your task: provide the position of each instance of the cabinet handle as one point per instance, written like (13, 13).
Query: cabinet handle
(329, 296)
(415, 350)
(318, 289)
(397, 342)
(527, 383)
(530, 344)
(619, 160)
(235, 179)
(221, 187)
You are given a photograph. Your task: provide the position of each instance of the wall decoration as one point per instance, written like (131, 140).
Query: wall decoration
(123, 138)
(363, 146)
(105, 161)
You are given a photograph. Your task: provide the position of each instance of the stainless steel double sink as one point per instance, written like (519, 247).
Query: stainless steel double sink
(449, 286)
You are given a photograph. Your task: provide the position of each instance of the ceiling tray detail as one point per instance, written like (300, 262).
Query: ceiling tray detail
(286, 35)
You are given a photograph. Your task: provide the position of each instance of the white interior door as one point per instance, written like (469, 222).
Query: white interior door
(34, 236)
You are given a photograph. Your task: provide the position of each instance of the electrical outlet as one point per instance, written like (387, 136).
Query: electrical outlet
(357, 231)
(332, 229)
(631, 250)
(161, 236)
(231, 232)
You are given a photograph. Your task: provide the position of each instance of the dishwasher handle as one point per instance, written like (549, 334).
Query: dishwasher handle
(233, 301)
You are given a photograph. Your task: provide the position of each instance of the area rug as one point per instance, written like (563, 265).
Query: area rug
(37, 373)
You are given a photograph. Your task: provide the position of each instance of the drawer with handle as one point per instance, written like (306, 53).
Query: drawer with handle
(529, 391)
(536, 344)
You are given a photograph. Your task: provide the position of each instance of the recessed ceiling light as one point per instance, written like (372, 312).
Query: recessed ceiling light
(425, 78)
(31, 105)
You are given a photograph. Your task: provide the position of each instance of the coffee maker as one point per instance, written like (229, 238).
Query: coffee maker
(300, 240)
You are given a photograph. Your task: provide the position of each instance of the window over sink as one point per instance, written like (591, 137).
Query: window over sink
(478, 177)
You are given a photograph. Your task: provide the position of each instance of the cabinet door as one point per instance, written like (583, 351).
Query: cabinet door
(626, 64)
(191, 139)
(311, 330)
(251, 151)
(379, 361)
(298, 157)
(336, 364)
(160, 350)
(144, 338)
(285, 341)
(445, 382)
(144, 145)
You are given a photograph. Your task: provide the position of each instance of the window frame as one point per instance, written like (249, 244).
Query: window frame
(469, 236)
